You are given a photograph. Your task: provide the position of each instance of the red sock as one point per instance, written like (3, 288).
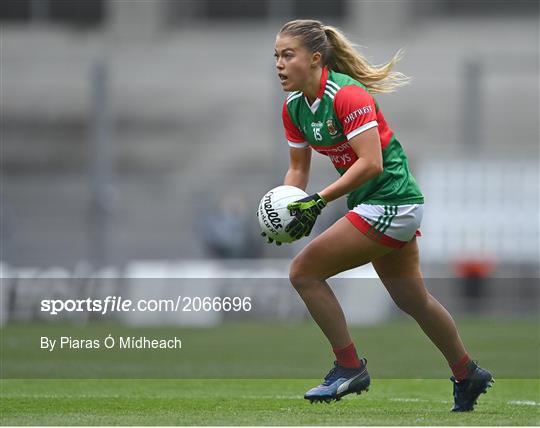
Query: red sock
(461, 368)
(347, 357)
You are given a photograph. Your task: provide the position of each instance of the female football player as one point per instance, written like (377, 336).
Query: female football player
(330, 109)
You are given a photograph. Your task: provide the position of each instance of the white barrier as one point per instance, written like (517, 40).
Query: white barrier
(363, 298)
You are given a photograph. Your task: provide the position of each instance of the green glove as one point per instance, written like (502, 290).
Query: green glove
(270, 240)
(305, 212)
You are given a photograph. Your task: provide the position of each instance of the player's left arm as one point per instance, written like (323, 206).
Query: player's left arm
(356, 110)
(367, 146)
(369, 164)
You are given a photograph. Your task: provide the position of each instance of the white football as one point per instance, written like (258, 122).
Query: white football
(273, 214)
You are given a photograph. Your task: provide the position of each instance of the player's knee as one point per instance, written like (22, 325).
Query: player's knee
(299, 273)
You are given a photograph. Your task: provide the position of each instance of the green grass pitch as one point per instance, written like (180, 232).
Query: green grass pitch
(256, 402)
(255, 373)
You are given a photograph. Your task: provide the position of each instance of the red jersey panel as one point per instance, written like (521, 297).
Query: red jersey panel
(357, 112)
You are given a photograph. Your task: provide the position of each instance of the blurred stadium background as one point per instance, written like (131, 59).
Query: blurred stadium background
(138, 137)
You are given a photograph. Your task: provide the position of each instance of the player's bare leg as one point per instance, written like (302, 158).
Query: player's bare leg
(341, 247)
(401, 275)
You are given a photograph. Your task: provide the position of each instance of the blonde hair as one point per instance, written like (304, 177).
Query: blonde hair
(339, 54)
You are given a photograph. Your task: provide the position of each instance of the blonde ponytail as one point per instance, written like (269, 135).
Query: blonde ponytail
(347, 60)
(339, 54)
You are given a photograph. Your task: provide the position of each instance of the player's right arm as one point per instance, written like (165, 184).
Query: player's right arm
(299, 164)
(299, 153)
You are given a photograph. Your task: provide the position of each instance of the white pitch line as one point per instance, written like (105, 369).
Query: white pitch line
(524, 403)
(418, 400)
(406, 400)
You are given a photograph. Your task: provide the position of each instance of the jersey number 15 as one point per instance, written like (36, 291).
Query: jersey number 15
(317, 134)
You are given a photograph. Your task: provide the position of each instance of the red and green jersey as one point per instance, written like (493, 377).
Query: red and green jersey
(343, 109)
